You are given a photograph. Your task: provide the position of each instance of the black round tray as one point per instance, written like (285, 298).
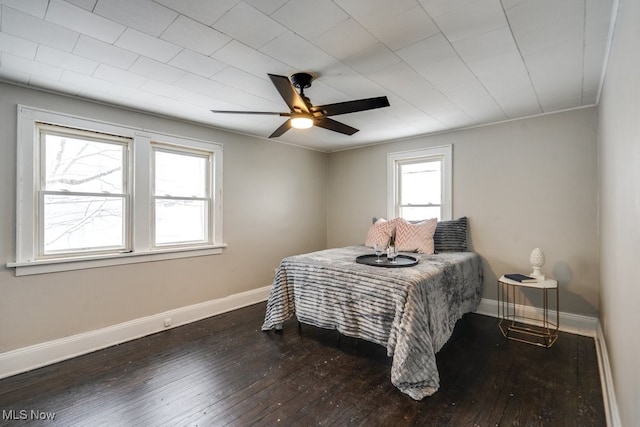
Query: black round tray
(401, 261)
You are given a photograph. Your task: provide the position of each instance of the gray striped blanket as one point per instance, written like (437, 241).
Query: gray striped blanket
(411, 311)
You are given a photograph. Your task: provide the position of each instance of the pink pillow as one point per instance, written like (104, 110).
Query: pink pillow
(379, 233)
(416, 237)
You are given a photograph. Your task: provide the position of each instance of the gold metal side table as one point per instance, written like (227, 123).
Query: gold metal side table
(518, 327)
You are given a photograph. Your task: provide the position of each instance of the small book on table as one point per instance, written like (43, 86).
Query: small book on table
(521, 278)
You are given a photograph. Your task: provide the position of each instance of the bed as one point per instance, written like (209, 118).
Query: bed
(411, 311)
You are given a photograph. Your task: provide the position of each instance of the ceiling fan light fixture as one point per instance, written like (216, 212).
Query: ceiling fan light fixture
(301, 121)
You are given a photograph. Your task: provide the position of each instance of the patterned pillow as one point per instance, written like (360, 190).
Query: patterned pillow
(451, 236)
(416, 237)
(379, 233)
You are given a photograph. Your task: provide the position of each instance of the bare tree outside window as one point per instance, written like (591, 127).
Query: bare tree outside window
(83, 193)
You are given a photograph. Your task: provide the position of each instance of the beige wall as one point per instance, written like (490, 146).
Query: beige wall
(274, 206)
(523, 184)
(619, 163)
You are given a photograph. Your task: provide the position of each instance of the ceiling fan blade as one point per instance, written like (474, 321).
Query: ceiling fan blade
(352, 106)
(289, 93)
(270, 113)
(282, 129)
(334, 126)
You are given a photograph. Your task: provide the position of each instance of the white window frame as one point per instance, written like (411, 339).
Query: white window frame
(40, 191)
(208, 197)
(394, 160)
(27, 261)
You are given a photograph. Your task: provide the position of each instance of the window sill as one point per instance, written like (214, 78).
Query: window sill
(95, 261)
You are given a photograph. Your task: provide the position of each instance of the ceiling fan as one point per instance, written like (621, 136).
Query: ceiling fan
(303, 114)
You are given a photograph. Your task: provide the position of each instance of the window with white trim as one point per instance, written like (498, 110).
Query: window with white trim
(83, 193)
(181, 196)
(419, 184)
(92, 194)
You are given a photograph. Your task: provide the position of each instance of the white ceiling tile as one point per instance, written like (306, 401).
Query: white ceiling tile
(478, 17)
(375, 12)
(597, 21)
(292, 49)
(403, 81)
(51, 56)
(31, 28)
(405, 29)
(249, 25)
(196, 63)
(146, 45)
(509, 84)
(206, 12)
(266, 6)
(33, 68)
(248, 59)
(200, 85)
(170, 91)
(494, 59)
(508, 4)
(346, 40)
(436, 60)
(118, 76)
(538, 26)
(552, 46)
(372, 59)
(242, 80)
(143, 15)
(36, 8)
(54, 85)
(85, 82)
(85, 4)
(78, 19)
(442, 7)
(593, 59)
(17, 46)
(155, 70)
(105, 53)
(562, 104)
(556, 76)
(193, 35)
(13, 74)
(423, 54)
(455, 118)
(487, 46)
(229, 94)
(310, 18)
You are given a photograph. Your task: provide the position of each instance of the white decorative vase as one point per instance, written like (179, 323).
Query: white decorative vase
(537, 261)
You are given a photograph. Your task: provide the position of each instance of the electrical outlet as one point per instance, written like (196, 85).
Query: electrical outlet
(167, 322)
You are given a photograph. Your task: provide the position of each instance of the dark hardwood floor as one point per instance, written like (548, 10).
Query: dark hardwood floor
(225, 371)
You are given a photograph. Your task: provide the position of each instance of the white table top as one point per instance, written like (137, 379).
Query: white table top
(543, 284)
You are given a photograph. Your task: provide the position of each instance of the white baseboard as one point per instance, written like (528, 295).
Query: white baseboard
(38, 355)
(569, 322)
(606, 379)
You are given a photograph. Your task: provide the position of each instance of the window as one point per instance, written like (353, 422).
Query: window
(83, 196)
(419, 184)
(181, 197)
(106, 194)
